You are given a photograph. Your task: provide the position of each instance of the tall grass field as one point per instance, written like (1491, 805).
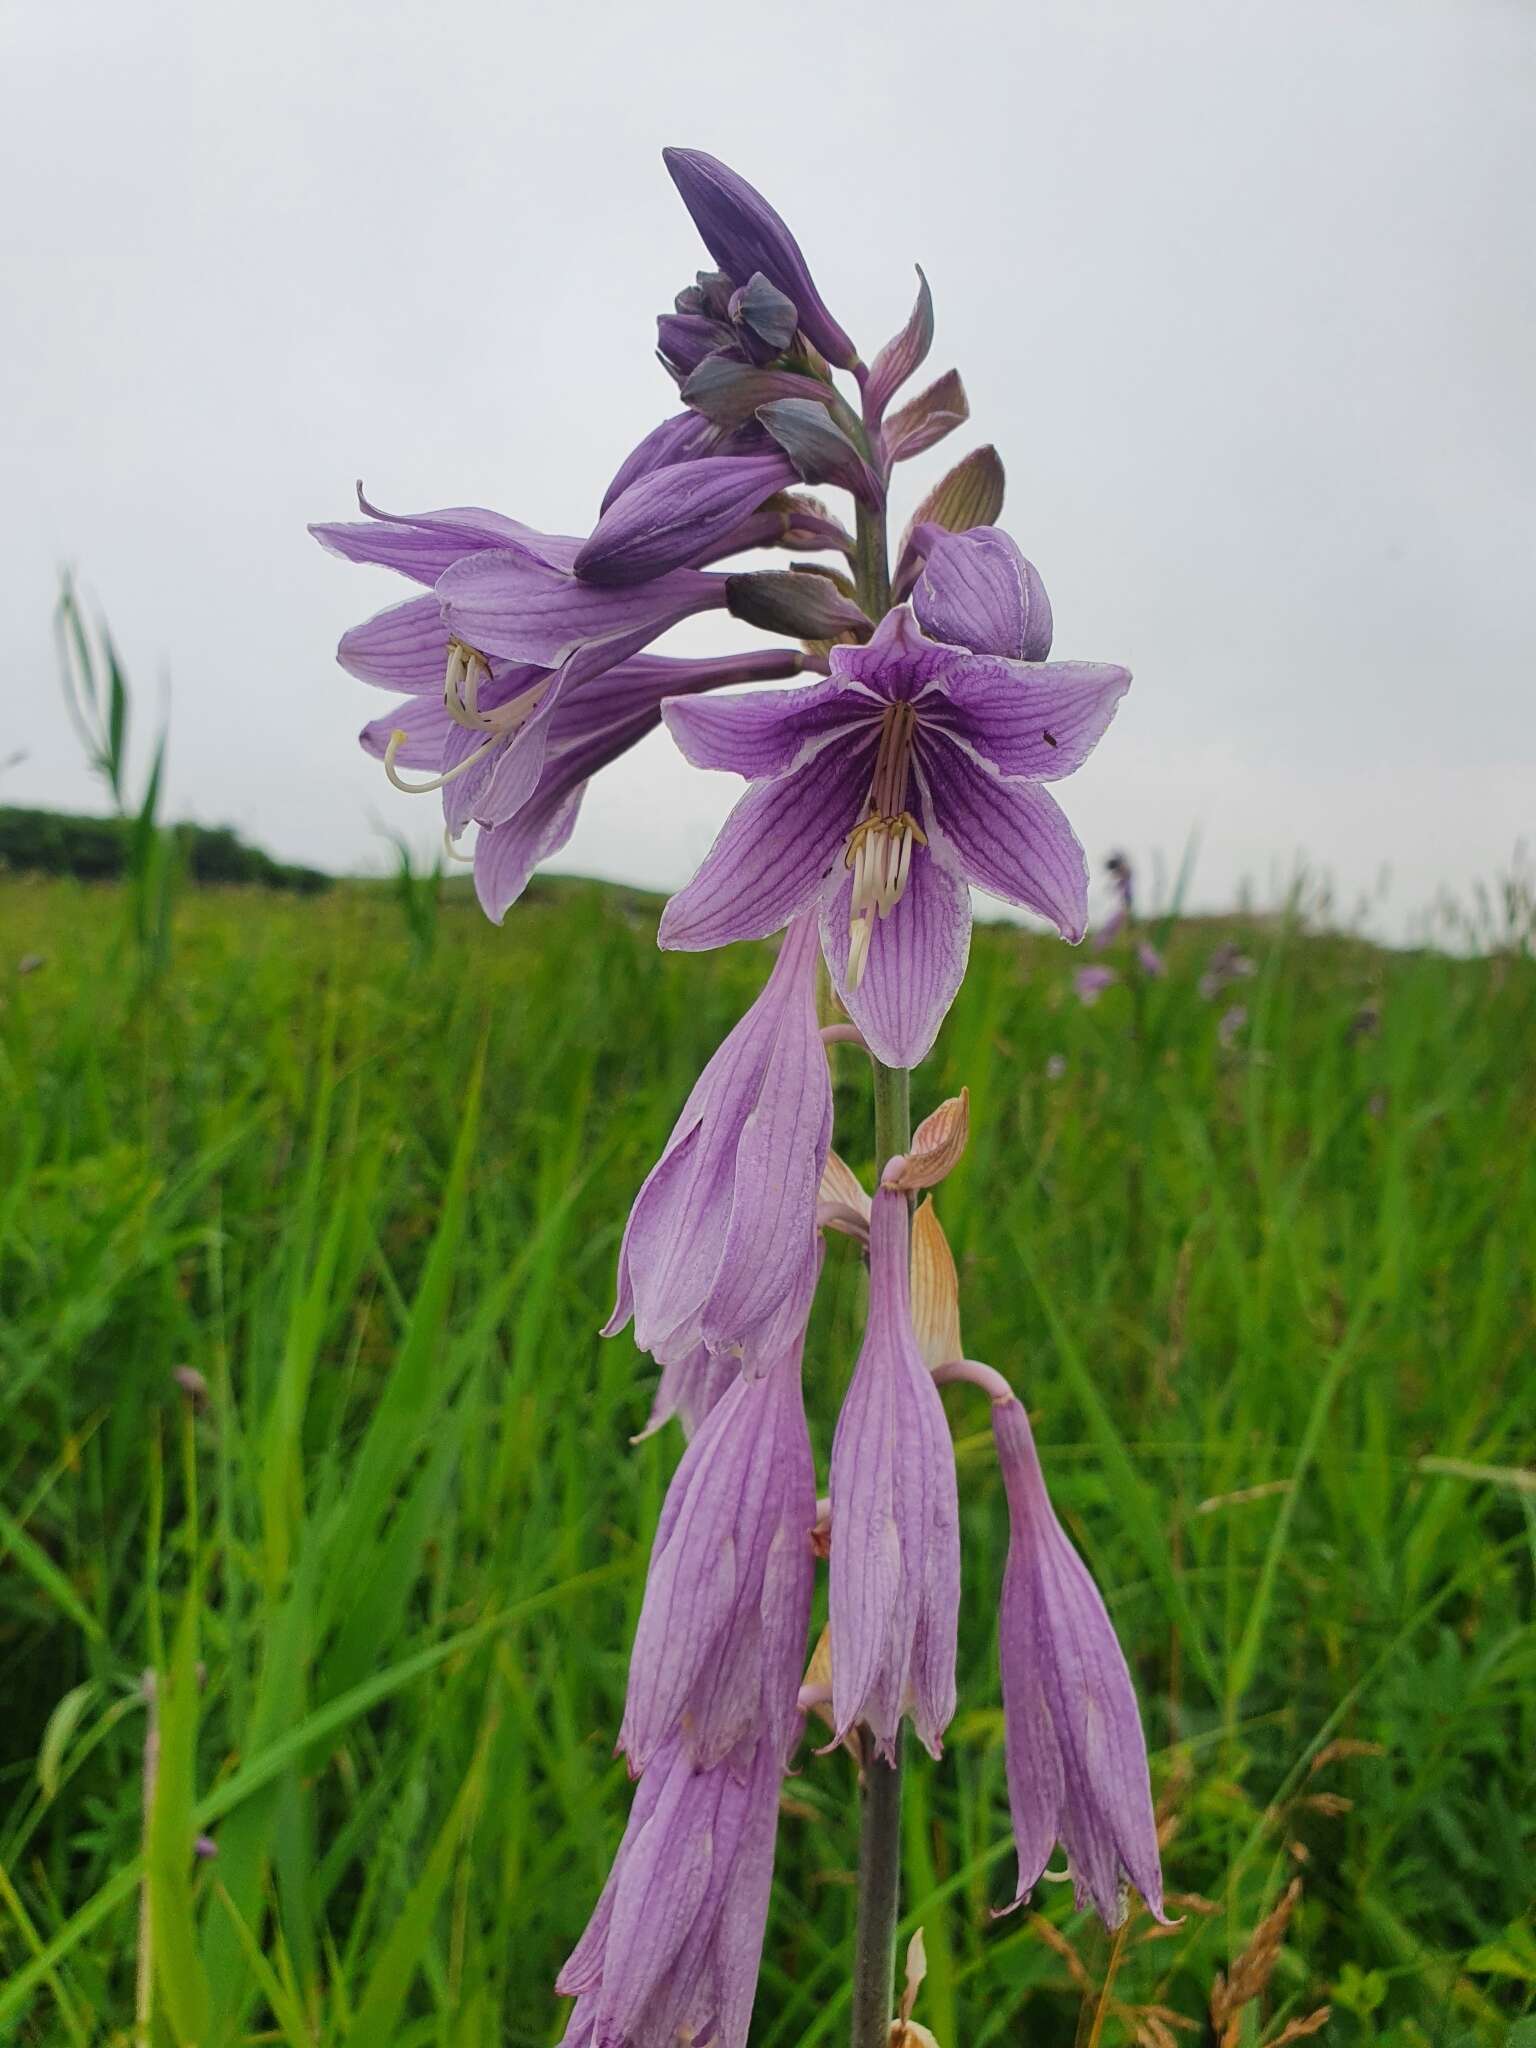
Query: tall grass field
(322, 1535)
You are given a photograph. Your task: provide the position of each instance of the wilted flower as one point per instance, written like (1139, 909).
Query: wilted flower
(894, 1586)
(721, 1639)
(673, 1947)
(922, 765)
(1076, 1756)
(720, 1247)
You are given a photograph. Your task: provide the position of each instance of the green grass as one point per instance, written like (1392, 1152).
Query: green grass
(1272, 1309)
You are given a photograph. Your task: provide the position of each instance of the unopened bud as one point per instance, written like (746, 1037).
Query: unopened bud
(804, 605)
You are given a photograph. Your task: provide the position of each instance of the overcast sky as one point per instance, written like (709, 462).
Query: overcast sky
(1243, 293)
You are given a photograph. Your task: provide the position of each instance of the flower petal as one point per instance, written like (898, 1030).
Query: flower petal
(507, 854)
(977, 591)
(1040, 720)
(513, 604)
(426, 726)
(677, 515)
(773, 853)
(916, 962)
(405, 648)
(1009, 838)
(770, 732)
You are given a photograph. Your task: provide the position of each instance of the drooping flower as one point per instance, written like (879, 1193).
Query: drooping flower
(894, 1586)
(672, 1950)
(1229, 963)
(1076, 1755)
(1091, 982)
(916, 769)
(747, 239)
(721, 1640)
(1230, 1023)
(720, 1247)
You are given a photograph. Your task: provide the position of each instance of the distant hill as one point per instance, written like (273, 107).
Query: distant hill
(96, 850)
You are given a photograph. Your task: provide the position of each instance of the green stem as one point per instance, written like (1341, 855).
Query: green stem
(879, 1892)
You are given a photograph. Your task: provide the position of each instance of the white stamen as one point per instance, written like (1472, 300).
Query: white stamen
(858, 951)
(452, 850)
(398, 739)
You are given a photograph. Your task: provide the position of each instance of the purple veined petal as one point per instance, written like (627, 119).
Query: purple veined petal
(689, 1387)
(773, 852)
(770, 732)
(1036, 720)
(892, 1487)
(405, 648)
(506, 855)
(669, 1882)
(421, 545)
(744, 234)
(1010, 838)
(426, 726)
(976, 590)
(512, 604)
(1054, 1619)
(1036, 1780)
(898, 663)
(679, 439)
(583, 1968)
(916, 962)
(674, 515)
(771, 1232)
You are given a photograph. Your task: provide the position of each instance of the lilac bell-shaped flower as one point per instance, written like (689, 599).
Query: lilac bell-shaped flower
(672, 1950)
(894, 1587)
(721, 1246)
(720, 1644)
(1076, 1755)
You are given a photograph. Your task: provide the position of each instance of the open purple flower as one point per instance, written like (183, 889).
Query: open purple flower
(720, 1645)
(916, 769)
(674, 1944)
(1076, 1755)
(894, 1587)
(721, 1244)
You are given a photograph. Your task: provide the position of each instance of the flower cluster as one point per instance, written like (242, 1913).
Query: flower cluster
(915, 764)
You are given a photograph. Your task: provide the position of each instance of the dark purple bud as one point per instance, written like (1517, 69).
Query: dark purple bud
(819, 449)
(902, 355)
(730, 392)
(804, 605)
(970, 495)
(684, 340)
(930, 416)
(976, 590)
(677, 515)
(682, 438)
(764, 317)
(744, 235)
(710, 293)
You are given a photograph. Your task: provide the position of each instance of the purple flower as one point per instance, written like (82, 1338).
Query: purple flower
(877, 796)
(720, 1645)
(1091, 982)
(527, 808)
(747, 238)
(977, 590)
(1227, 964)
(1150, 960)
(673, 1947)
(1230, 1023)
(1076, 1756)
(894, 1588)
(721, 1245)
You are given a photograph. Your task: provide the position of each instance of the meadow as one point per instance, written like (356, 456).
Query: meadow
(1270, 1302)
